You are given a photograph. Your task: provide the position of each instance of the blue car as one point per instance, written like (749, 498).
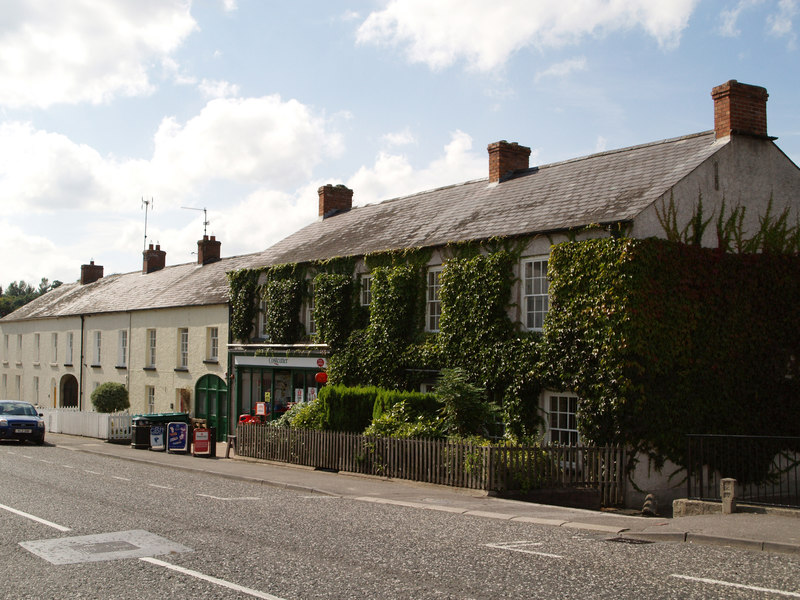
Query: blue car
(20, 421)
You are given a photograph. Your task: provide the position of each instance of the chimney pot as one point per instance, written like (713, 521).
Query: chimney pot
(740, 109)
(334, 199)
(505, 159)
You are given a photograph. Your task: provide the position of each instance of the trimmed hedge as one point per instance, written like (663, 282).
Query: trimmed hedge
(347, 408)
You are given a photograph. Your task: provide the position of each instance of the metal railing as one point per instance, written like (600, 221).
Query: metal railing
(491, 468)
(766, 468)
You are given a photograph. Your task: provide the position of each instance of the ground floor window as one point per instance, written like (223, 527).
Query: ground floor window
(280, 389)
(562, 420)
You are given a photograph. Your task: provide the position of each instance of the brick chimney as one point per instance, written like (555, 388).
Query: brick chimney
(207, 250)
(506, 159)
(334, 199)
(91, 273)
(154, 259)
(740, 109)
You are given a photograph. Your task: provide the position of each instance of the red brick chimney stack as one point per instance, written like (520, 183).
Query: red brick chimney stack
(740, 109)
(207, 250)
(154, 259)
(334, 199)
(91, 273)
(506, 159)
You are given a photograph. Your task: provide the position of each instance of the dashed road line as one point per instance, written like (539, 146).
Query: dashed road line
(522, 546)
(210, 579)
(161, 487)
(35, 518)
(740, 586)
(92, 472)
(120, 478)
(237, 498)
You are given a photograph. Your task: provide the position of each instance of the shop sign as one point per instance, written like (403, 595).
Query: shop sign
(288, 362)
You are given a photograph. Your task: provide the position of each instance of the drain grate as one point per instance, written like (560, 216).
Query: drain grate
(632, 541)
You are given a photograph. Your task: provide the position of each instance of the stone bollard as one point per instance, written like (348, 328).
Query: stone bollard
(727, 491)
(650, 508)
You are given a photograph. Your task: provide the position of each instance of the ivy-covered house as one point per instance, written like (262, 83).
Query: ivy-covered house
(390, 293)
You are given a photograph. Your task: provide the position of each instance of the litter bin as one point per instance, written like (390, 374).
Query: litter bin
(140, 433)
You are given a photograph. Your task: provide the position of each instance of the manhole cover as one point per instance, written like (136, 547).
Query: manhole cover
(105, 546)
(632, 541)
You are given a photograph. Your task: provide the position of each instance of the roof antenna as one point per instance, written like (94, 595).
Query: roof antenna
(147, 204)
(205, 217)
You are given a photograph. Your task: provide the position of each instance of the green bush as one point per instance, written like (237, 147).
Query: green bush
(415, 404)
(303, 415)
(110, 397)
(347, 408)
(465, 410)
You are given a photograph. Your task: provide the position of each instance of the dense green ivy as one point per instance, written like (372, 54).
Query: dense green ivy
(284, 298)
(660, 339)
(332, 308)
(243, 286)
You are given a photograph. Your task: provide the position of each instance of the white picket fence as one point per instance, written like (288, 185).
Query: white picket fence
(104, 426)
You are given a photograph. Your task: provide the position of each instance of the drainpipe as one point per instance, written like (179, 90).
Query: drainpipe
(80, 381)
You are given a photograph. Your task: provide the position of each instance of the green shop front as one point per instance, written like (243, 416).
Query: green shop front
(278, 381)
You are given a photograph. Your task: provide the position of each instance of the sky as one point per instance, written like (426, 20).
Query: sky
(245, 108)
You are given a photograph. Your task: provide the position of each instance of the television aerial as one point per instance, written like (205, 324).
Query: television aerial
(205, 217)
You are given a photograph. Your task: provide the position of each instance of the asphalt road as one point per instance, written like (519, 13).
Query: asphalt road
(161, 533)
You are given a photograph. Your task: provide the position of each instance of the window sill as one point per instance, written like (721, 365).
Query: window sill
(67, 364)
(54, 365)
(96, 366)
(121, 367)
(181, 369)
(211, 361)
(5, 363)
(148, 368)
(35, 364)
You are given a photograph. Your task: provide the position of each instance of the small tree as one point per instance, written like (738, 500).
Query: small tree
(110, 397)
(465, 409)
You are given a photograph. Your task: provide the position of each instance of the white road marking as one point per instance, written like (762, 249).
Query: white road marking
(214, 580)
(68, 466)
(522, 546)
(26, 456)
(161, 487)
(120, 478)
(740, 586)
(92, 472)
(33, 518)
(219, 498)
(49, 462)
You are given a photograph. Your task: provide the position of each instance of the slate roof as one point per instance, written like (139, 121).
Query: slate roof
(188, 284)
(601, 188)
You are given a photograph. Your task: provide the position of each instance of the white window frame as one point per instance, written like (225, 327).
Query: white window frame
(98, 347)
(535, 292)
(54, 347)
(262, 319)
(183, 348)
(562, 420)
(70, 341)
(122, 348)
(311, 324)
(366, 290)
(151, 348)
(433, 304)
(150, 397)
(18, 385)
(212, 344)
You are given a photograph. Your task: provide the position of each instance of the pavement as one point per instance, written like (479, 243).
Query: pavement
(777, 531)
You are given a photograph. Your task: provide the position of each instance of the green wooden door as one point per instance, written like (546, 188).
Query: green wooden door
(211, 393)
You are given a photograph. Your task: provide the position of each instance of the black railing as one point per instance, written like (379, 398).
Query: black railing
(766, 469)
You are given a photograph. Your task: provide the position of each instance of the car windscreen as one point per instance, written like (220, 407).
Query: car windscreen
(18, 409)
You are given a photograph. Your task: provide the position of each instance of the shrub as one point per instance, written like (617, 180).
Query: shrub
(347, 408)
(464, 407)
(110, 397)
(303, 415)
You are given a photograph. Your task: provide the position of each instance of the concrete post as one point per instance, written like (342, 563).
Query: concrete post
(727, 491)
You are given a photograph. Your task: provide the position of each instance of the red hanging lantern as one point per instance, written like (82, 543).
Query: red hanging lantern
(321, 377)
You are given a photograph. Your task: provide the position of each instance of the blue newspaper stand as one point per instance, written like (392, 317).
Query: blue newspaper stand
(177, 437)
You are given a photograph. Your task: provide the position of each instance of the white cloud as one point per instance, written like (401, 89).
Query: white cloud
(399, 138)
(229, 5)
(730, 16)
(218, 89)
(392, 175)
(563, 68)
(84, 50)
(485, 34)
(780, 23)
(601, 144)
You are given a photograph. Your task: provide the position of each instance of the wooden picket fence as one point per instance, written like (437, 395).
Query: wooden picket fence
(491, 468)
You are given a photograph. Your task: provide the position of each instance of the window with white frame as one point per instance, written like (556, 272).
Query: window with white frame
(212, 344)
(35, 390)
(54, 348)
(150, 361)
(69, 348)
(150, 394)
(18, 385)
(311, 325)
(562, 420)
(535, 298)
(262, 319)
(366, 290)
(183, 348)
(36, 341)
(122, 348)
(5, 348)
(433, 307)
(19, 347)
(98, 336)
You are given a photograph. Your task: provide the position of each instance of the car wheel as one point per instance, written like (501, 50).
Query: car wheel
(39, 442)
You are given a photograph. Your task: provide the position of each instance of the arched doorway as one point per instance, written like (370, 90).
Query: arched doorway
(211, 393)
(69, 391)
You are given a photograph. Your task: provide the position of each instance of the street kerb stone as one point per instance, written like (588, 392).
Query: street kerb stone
(136, 543)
